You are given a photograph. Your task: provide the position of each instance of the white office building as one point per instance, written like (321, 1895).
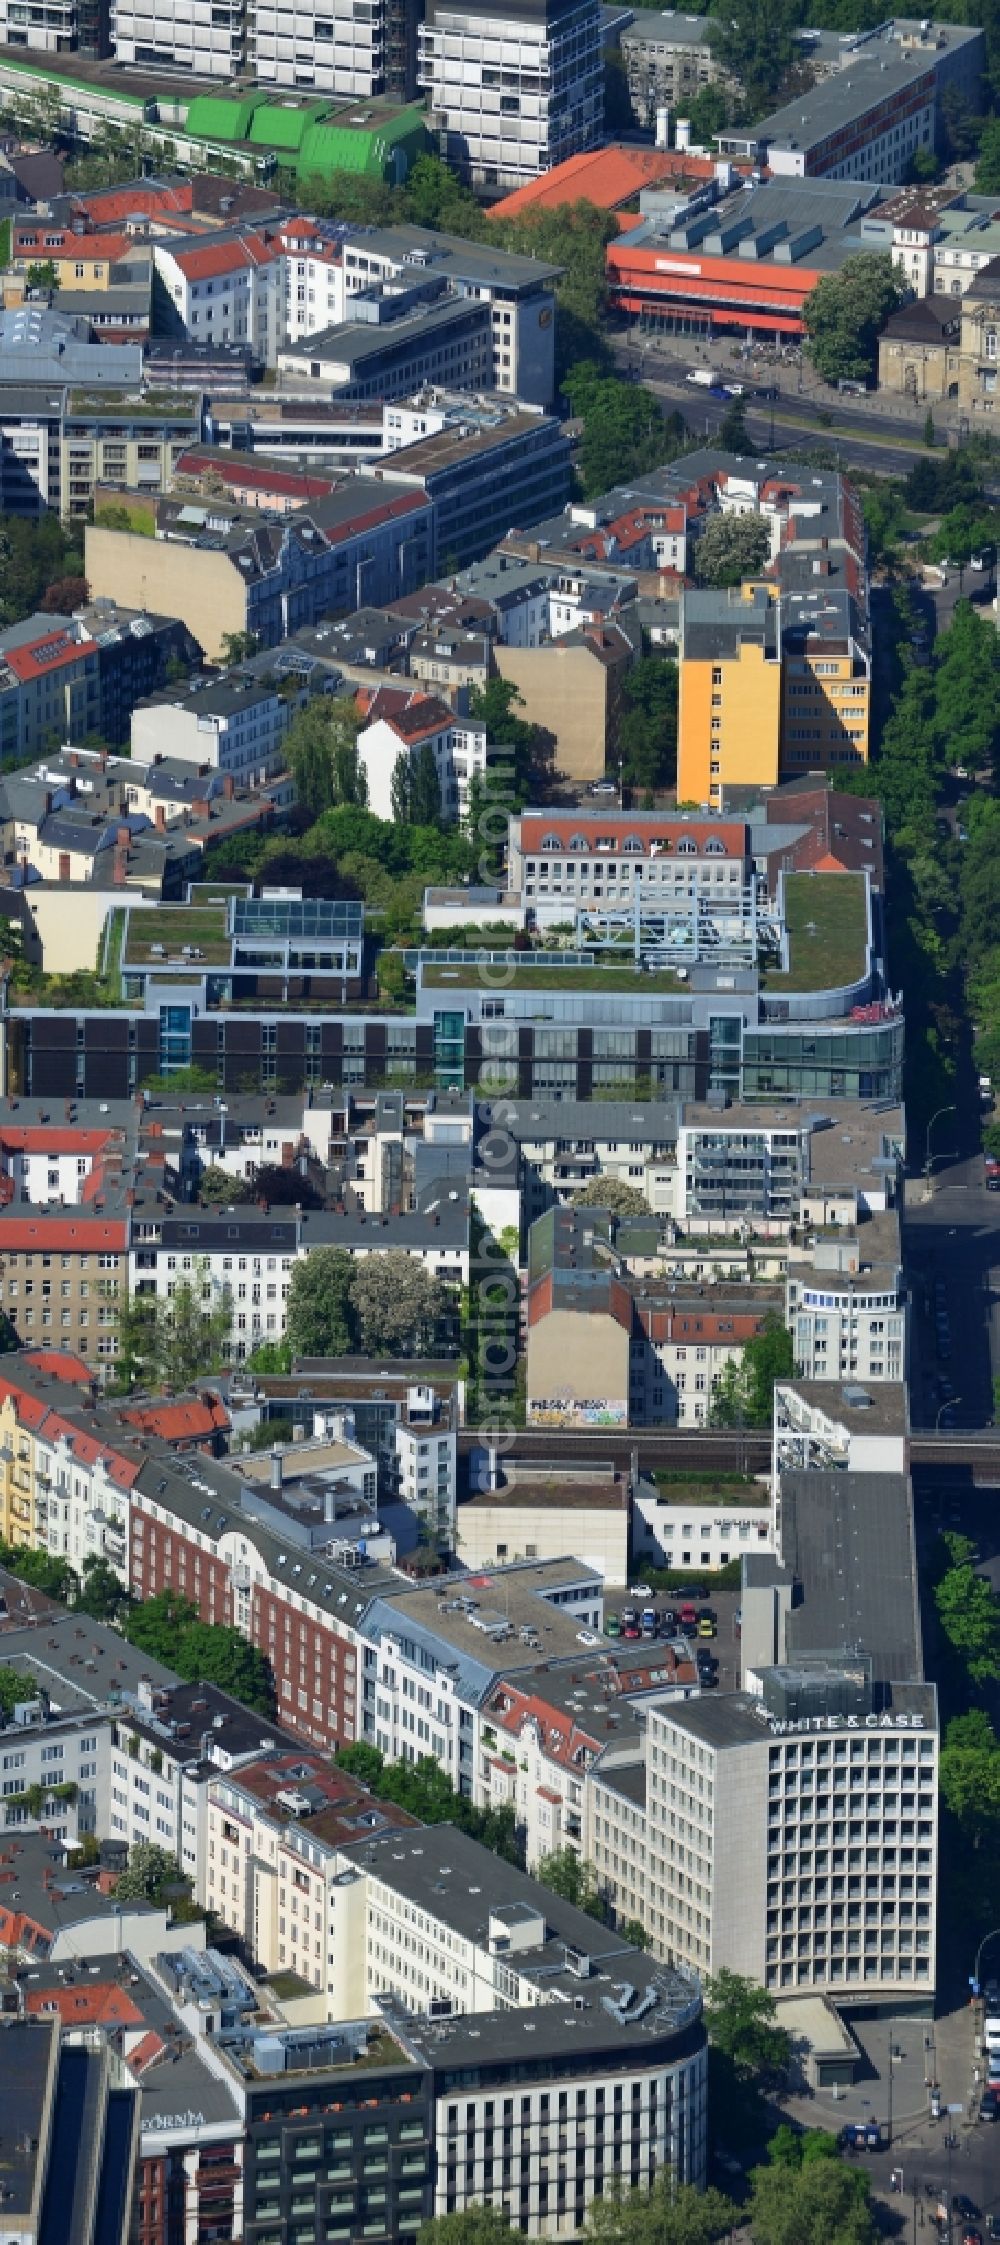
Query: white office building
(516, 92)
(845, 1306)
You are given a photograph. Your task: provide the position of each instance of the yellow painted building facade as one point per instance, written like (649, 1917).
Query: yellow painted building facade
(17, 1479)
(826, 708)
(729, 700)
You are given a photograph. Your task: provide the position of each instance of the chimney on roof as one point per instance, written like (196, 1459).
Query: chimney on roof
(200, 807)
(123, 837)
(161, 819)
(228, 786)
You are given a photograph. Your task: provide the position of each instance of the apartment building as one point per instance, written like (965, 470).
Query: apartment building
(429, 1660)
(736, 1165)
(845, 1305)
(671, 862)
(540, 1736)
(339, 50)
(54, 1771)
(401, 722)
(563, 1144)
(604, 1348)
(63, 1273)
(164, 1756)
(273, 1829)
(232, 725)
(237, 573)
(515, 94)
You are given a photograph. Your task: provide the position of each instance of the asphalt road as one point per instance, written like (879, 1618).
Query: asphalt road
(862, 435)
(952, 1241)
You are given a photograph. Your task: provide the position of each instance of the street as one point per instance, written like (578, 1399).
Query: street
(951, 1253)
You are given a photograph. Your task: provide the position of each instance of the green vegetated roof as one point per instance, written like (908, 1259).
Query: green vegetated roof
(281, 124)
(827, 922)
(222, 116)
(340, 144)
(617, 981)
(202, 926)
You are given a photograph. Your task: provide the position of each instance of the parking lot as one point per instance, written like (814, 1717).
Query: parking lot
(724, 1646)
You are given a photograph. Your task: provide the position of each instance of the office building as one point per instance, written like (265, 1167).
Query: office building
(668, 59)
(72, 2137)
(869, 120)
(513, 94)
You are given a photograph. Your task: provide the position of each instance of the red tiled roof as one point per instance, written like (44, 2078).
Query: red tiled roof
(188, 1421)
(604, 176)
(206, 263)
(414, 716)
(103, 2006)
(84, 248)
(39, 1139)
(62, 1233)
(257, 474)
(406, 502)
(44, 655)
(60, 1365)
(106, 204)
(664, 833)
(150, 2048)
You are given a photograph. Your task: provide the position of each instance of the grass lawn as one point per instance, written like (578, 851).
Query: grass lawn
(548, 975)
(171, 926)
(825, 918)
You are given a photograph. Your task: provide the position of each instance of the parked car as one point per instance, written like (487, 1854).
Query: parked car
(612, 1625)
(706, 1626)
(687, 1616)
(988, 2111)
(630, 1622)
(964, 2207)
(649, 1621)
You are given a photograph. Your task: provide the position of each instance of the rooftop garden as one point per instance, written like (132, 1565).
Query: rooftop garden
(826, 920)
(161, 935)
(541, 970)
(714, 1489)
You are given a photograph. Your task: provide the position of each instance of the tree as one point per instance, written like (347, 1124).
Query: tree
(475, 2225)
(171, 1342)
(823, 2202)
(425, 788)
(42, 1570)
(668, 2214)
(565, 1873)
(754, 43)
(102, 1594)
(929, 430)
(968, 1612)
(625, 432)
(423, 1789)
(63, 595)
(43, 276)
(320, 1320)
(798, 2147)
(14, 1689)
(963, 531)
(401, 789)
(969, 1776)
(399, 1307)
(734, 436)
(614, 1195)
(740, 2017)
(988, 163)
(744, 1393)
(237, 647)
(732, 547)
(168, 1628)
(846, 312)
(647, 728)
(148, 1868)
(321, 752)
(219, 1187)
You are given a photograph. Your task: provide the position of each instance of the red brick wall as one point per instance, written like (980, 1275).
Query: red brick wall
(312, 1666)
(317, 1666)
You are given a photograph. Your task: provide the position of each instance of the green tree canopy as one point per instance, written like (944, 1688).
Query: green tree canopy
(148, 1868)
(321, 751)
(612, 1193)
(968, 1612)
(169, 1628)
(172, 1341)
(846, 312)
(426, 1792)
(754, 43)
(744, 1393)
(731, 548)
(740, 2017)
(625, 432)
(475, 2225)
(647, 728)
(565, 1873)
(969, 1776)
(668, 2214)
(320, 1318)
(400, 1308)
(822, 2202)
(14, 1689)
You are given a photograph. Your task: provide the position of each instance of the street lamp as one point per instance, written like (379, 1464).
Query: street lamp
(987, 1937)
(952, 1110)
(949, 1406)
